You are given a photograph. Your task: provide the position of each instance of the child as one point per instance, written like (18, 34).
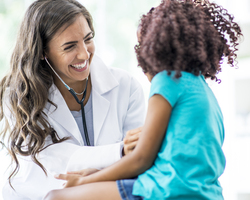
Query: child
(178, 155)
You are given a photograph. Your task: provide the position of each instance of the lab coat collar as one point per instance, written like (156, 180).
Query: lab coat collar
(101, 78)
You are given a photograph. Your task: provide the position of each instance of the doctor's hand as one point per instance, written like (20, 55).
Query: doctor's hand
(84, 172)
(72, 179)
(131, 139)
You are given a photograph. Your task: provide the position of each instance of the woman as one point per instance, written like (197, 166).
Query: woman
(55, 82)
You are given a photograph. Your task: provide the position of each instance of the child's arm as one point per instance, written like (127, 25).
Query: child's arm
(144, 154)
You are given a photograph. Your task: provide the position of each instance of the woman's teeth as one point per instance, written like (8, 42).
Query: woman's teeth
(80, 66)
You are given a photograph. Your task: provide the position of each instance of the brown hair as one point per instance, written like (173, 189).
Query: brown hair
(187, 35)
(28, 82)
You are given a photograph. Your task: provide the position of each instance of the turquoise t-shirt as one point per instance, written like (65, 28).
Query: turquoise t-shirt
(190, 160)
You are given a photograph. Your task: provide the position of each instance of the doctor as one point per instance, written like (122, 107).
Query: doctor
(64, 109)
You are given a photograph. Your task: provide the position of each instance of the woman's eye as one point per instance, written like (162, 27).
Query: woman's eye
(88, 39)
(69, 47)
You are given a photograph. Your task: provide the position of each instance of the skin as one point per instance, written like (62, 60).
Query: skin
(131, 140)
(70, 46)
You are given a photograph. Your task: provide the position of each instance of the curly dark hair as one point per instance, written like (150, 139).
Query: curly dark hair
(187, 35)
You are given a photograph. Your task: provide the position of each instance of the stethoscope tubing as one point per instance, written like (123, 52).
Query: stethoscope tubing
(77, 100)
(83, 113)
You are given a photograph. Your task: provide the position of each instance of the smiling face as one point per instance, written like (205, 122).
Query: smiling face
(71, 50)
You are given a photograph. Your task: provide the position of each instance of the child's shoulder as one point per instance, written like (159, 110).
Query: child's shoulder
(163, 76)
(187, 83)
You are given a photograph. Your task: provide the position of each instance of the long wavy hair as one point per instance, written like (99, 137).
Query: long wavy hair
(187, 35)
(24, 90)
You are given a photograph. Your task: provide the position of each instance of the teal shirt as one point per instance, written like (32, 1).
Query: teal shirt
(190, 160)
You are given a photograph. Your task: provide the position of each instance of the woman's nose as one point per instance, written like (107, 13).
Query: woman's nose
(83, 52)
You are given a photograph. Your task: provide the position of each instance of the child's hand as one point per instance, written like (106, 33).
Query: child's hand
(84, 172)
(72, 179)
(131, 139)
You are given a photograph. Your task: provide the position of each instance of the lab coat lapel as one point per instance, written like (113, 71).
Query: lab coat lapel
(100, 111)
(58, 114)
(102, 82)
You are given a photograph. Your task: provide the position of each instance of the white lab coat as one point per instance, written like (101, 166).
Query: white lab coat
(118, 106)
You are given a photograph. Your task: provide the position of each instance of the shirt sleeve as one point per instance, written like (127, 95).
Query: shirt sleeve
(167, 86)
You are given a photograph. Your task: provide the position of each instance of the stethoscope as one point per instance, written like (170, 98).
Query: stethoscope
(77, 100)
